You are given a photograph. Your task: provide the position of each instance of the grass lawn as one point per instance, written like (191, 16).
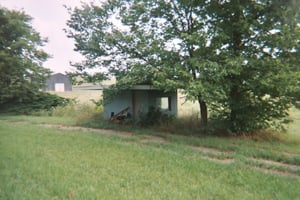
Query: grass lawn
(42, 161)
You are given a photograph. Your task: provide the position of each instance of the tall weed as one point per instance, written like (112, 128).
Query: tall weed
(82, 113)
(185, 125)
(87, 113)
(65, 111)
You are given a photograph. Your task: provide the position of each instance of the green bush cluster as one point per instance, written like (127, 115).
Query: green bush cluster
(153, 117)
(33, 102)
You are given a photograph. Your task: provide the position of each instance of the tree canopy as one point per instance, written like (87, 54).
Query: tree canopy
(21, 58)
(238, 59)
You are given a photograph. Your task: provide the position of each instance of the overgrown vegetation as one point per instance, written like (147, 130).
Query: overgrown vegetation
(83, 114)
(153, 117)
(89, 115)
(33, 102)
(238, 59)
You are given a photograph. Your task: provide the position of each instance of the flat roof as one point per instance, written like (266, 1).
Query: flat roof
(143, 87)
(101, 87)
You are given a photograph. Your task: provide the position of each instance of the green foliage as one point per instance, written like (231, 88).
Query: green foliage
(257, 46)
(185, 125)
(154, 116)
(33, 102)
(238, 58)
(21, 71)
(98, 104)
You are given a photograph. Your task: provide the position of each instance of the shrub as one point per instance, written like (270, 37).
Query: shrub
(68, 110)
(153, 117)
(185, 125)
(85, 113)
(33, 102)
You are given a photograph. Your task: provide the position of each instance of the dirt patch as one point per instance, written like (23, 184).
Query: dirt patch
(83, 129)
(14, 122)
(145, 139)
(277, 172)
(210, 150)
(208, 153)
(276, 164)
(283, 169)
(151, 138)
(289, 154)
(222, 161)
(215, 155)
(286, 153)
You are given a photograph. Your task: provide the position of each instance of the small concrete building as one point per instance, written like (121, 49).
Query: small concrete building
(58, 83)
(138, 99)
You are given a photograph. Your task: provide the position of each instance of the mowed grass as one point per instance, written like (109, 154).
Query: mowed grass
(39, 162)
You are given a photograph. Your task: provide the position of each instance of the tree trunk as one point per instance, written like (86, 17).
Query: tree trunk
(234, 100)
(203, 112)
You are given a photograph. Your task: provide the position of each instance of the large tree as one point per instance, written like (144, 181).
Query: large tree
(256, 46)
(21, 57)
(239, 58)
(143, 42)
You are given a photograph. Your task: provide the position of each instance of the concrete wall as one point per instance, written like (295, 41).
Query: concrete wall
(139, 101)
(119, 102)
(156, 95)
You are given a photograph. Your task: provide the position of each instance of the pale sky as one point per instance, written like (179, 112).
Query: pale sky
(49, 19)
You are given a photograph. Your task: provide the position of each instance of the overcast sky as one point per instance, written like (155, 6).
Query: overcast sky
(49, 19)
